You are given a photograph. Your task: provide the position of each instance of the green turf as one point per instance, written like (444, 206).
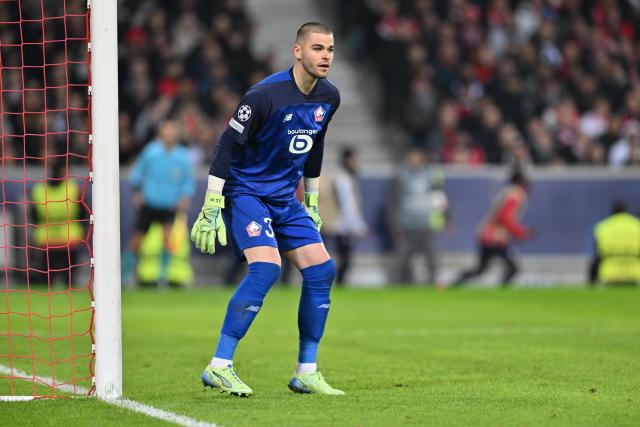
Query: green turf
(405, 356)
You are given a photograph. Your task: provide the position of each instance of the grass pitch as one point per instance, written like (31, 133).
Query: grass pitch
(405, 356)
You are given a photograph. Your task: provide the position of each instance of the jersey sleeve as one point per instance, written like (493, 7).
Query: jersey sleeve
(313, 165)
(139, 167)
(507, 216)
(252, 112)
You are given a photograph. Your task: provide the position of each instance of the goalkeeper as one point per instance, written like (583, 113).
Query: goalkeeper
(275, 137)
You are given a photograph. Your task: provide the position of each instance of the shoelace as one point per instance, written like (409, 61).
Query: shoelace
(316, 378)
(233, 374)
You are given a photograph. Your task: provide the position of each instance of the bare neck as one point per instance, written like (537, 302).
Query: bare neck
(305, 81)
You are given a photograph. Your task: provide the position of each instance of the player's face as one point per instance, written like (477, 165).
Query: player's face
(169, 133)
(315, 53)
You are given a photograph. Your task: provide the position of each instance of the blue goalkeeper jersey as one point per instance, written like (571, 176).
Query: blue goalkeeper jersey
(274, 129)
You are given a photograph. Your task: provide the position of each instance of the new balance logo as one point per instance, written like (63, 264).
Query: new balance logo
(324, 306)
(288, 118)
(254, 308)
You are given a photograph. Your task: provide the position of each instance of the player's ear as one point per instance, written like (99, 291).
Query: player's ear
(297, 51)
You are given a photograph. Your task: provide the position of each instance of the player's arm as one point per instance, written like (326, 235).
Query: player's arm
(187, 185)
(312, 168)
(311, 175)
(136, 177)
(209, 225)
(507, 216)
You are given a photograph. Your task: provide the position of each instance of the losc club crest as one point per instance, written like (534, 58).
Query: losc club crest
(318, 114)
(253, 229)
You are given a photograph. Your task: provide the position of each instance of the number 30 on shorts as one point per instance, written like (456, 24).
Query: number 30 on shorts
(269, 230)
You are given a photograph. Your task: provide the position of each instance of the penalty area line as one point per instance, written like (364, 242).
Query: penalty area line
(131, 405)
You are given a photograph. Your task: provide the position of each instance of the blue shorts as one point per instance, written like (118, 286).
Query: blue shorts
(252, 222)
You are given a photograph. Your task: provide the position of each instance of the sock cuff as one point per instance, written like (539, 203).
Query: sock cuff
(226, 346)
(319, 271)
(264, 270)
(308, 352)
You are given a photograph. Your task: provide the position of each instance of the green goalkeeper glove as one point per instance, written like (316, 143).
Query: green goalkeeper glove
(311, 203)
(210, 224)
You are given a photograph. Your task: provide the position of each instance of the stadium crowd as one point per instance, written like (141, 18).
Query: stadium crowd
(188, 59)
(474, 82)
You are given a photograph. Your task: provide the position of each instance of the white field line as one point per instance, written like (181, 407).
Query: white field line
(131, 405)
(47, 381)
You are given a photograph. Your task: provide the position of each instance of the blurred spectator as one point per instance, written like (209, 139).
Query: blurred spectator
(410, 215)
(616, 260)
(349, 224)
(57, 213)
(172, 57)
(497, 230)
(163, 184)
(626, 151)
(188, 59)
(564, 73)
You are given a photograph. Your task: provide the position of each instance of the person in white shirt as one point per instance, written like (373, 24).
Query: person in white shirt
(349, 224)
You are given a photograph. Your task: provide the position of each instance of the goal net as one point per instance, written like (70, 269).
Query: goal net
(46, 260)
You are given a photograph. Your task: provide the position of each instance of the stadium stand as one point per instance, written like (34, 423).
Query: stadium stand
(188, 58)
(479, 82)
(474, 82)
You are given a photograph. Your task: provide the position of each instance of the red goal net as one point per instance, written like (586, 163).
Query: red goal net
(46, 302)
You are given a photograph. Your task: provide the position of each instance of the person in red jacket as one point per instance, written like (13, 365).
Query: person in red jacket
(499, 227)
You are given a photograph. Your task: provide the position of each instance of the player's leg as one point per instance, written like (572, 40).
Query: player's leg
(510, 265)
(168, 217)
(485, 254)
(405, 250)
(251, 237)
(344, 248)
(431, 255)
(299, 239)
(318, 271)
(145, 217)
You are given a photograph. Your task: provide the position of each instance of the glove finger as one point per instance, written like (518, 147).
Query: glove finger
(202, 241)
(222, 234)
(211, 241)
(194, 233)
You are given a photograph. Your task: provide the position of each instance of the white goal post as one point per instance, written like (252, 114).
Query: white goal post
(106, 199)
(23, 327)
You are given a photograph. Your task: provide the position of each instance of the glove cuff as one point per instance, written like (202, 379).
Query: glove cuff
(213, 200)
(311, 199)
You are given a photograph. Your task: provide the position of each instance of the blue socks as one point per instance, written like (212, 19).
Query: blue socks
(247, 301)
(244, 306)
(314, 308)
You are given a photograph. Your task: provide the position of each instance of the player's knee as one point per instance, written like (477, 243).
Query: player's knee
(260, 277)
(266, 272)
(320, 275)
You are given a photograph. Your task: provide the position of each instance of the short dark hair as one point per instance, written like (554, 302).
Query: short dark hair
(519, 178)
(348, 151)
(312, 27)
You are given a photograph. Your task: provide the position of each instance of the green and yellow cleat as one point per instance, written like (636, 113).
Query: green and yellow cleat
(226, 380)
(312, 383)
